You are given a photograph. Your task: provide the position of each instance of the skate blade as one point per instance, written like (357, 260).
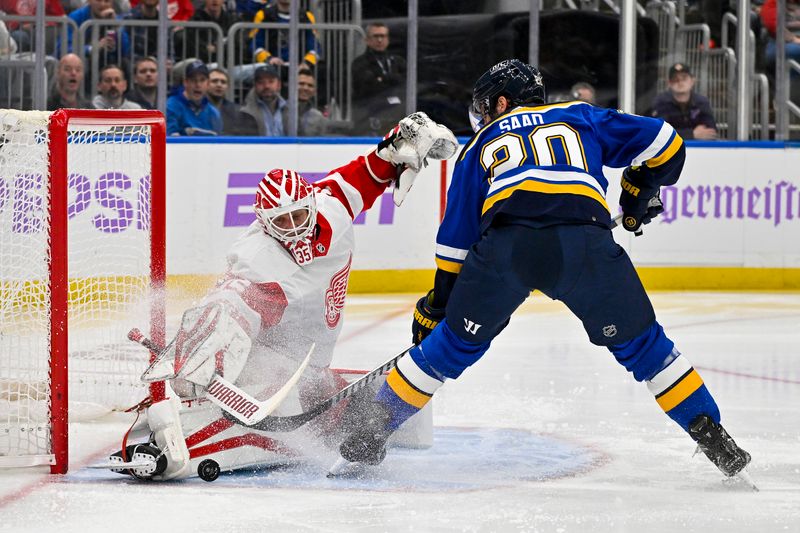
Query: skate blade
(341, 466)
(119, 465)
(744, 475)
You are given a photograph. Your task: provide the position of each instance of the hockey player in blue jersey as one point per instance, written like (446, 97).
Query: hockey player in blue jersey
(527, 210)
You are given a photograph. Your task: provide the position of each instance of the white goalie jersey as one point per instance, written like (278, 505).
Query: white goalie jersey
(291, 297)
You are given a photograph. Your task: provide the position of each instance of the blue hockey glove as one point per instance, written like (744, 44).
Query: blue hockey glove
(426, 317)
(640, 201)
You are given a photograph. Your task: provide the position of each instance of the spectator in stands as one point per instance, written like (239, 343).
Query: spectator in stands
(201, 42)
(583, 92)
(111, 90)
(685, 110)
(176, 9)
(379, 88)
(234, 122)
(311, 121)
(271, 46)
(66, 93)
(8, 45)
(246, 9)
(113, 41)
(189, 112)
(144, 39)
(265, 104)
(22, 32)
(791, 33)
(145, 83)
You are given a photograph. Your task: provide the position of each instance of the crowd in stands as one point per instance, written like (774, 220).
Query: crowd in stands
(199, 101)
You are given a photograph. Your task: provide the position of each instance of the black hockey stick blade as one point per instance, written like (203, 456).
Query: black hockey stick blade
(290, 423)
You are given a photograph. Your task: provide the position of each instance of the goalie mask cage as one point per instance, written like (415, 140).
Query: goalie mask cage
(82, 261)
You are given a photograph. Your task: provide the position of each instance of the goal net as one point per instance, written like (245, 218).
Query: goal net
(81, 263)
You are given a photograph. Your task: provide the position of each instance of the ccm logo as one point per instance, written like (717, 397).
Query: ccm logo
(232, 399)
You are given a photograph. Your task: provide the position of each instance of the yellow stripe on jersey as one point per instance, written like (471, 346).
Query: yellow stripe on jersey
(546, 188)
(406, 391)
(667, 154)
(682, 389)
(517, 111)
(448, 266)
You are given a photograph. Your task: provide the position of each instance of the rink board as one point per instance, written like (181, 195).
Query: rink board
(732, 221)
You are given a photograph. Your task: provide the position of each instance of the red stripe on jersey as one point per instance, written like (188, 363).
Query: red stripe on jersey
(266, 299)
(337, 192)
(358, 175)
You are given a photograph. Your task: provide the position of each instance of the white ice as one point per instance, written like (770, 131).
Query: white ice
(546, 433)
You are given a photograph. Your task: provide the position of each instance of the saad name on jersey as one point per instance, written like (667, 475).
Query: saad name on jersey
(520, 121)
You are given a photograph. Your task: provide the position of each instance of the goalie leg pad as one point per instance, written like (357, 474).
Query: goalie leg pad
(165, 423)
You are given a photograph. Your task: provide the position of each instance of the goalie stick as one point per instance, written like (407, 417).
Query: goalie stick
(289, 423)
(244, 408)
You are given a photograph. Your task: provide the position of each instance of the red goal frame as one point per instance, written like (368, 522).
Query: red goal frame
(58, 131)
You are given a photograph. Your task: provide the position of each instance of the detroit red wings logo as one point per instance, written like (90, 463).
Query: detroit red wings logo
(335, 293)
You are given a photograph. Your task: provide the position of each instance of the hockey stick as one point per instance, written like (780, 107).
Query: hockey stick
(243, 407)
(655, 201)
(289, 423)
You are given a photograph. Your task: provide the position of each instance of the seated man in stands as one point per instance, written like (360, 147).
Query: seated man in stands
(685, 110)
(67, 90)
(23, 32)
(265, 103)
(234, 122)
(202, 43)
(310, 122)
(379, 88)
(790, 33)
(114, 42)
(145, 83)
(189, 112)
(272, 46)
(111, 90)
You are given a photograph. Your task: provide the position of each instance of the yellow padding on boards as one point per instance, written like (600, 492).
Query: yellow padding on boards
(654, 278)
(405, 391)
(680, 392)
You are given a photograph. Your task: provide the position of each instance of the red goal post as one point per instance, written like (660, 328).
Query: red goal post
(82, 259)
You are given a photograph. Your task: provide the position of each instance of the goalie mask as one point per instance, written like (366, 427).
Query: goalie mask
(285, 205)
(519, 82)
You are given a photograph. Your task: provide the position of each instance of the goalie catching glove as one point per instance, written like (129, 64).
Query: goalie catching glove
(210, 341)
(639, 201)
(426, 318)
(409, 144)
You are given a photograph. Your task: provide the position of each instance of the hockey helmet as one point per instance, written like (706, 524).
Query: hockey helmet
(519, 82)
(285, 205)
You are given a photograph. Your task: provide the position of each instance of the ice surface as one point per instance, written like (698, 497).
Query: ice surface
(546, 433)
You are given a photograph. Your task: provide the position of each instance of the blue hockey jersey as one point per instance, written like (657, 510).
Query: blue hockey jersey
(543, 166)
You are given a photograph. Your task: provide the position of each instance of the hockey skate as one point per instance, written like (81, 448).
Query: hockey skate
(720, 448)
(366, 439)
(141, 461)
(164, 457)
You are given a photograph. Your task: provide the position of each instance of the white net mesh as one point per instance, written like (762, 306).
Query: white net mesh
(108, 271)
